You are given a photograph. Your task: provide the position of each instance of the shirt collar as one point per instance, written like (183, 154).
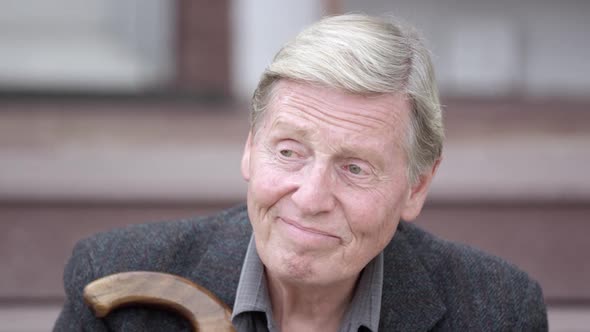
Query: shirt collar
(252, 293)
(365, 307)
(364, 310)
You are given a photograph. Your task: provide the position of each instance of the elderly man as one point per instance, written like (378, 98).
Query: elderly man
(346, 136)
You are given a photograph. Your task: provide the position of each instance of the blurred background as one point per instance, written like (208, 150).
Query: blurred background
(129, 111)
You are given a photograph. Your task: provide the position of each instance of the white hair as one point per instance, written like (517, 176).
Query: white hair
(365, 55)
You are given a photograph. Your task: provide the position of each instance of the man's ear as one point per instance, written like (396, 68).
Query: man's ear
(245, 166)
(417, 194)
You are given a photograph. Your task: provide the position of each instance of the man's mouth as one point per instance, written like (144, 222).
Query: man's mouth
(305, 233)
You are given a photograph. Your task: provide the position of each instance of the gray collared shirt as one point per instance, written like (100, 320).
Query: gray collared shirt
(253, 311)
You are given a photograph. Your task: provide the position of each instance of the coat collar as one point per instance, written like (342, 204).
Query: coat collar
(219, 268)
(410, 301)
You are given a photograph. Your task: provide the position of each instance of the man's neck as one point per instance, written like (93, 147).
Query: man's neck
(309, 308)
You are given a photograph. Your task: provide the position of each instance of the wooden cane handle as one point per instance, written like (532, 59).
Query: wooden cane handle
(202, 308)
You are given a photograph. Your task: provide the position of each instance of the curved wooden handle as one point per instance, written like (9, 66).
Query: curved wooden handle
(197, 304)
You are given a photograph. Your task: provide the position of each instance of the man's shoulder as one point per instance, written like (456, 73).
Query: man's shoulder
(440, 256)
(205, 250)
(475, 285)
(175, 246)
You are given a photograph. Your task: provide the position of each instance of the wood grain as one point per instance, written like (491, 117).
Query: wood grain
(201, 307)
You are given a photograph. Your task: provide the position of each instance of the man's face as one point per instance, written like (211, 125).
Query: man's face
(327, 184)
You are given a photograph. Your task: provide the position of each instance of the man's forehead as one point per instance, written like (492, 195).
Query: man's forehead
(318, 103)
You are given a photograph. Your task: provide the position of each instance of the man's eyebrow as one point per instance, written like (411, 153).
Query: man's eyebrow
(281, 124)
(367, 154)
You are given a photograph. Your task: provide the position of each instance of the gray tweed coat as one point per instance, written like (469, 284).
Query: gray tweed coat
(428, 285)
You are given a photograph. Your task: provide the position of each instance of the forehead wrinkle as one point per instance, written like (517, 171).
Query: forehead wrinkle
(319, 116)
(291, 99)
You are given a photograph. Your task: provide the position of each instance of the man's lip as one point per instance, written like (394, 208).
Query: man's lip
(307, 229)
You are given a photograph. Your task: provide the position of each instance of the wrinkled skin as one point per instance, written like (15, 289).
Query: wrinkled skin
(327, 182)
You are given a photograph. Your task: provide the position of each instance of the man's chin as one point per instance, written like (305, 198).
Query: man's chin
(289, 266)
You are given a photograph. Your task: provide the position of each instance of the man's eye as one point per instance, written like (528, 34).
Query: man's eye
(286, 153)
(354, 169)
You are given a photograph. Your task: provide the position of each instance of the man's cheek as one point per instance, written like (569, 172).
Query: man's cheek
(367, 219)
(266, 190)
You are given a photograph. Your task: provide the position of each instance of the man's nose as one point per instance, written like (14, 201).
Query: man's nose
(314, 194)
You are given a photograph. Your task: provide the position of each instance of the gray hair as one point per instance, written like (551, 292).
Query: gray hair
(365, 55)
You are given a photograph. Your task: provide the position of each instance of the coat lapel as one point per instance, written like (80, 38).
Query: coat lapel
(410, 301)
(219, 268)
